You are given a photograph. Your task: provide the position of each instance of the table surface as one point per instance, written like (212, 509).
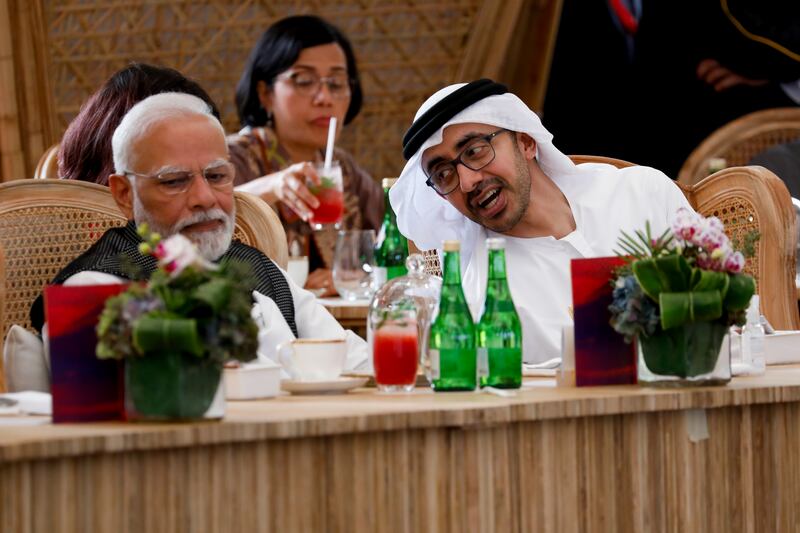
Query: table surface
(365, 410)
(346, 310)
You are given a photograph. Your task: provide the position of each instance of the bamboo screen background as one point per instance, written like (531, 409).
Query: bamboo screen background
(404, 53)
(60, 52)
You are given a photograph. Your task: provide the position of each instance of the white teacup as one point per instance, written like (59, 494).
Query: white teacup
(313, 359)
(297, 268)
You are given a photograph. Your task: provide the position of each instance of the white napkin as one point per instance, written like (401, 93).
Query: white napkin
(31, 402)
(545, 368)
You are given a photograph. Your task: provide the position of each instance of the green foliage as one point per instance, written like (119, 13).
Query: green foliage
(682, 278)
(642, 245)
(748, 243)
(205, 313)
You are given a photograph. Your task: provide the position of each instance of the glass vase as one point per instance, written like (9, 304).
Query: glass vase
(695, 354)
(173, 386)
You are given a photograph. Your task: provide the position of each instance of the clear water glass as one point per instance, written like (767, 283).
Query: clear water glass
(354, 274)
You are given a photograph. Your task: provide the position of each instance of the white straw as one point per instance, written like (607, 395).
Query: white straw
(329, 148)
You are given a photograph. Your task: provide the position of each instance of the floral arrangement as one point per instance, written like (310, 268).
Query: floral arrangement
(189, 306)
(691, 273)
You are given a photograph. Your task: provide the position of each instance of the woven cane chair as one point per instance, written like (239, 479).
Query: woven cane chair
(619, 163)
(47, 168)
(44, 224)
(433, 265)
(742, 139)
(753, 198)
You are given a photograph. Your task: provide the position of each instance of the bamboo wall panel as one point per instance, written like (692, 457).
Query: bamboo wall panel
(55, 53)
(406, 50)
(27, 120)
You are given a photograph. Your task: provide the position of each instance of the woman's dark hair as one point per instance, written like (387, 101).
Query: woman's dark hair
(85, 151)
(277, 50)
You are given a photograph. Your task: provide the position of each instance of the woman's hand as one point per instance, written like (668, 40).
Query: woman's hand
(287, 186)
(320, 282)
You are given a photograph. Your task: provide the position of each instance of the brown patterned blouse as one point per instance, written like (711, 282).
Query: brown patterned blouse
(256, 152)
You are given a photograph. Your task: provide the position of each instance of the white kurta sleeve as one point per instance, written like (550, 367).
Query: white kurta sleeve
(312, 320)
(90, 277)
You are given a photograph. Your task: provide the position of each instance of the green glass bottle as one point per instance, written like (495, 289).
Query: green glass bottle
(453, 359)
(499, 331)
(391, 247)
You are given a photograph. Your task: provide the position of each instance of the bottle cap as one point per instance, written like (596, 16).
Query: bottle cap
(452, 246)
(387, 183)
(496, 243)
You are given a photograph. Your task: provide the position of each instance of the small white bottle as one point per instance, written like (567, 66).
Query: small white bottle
(752, 339)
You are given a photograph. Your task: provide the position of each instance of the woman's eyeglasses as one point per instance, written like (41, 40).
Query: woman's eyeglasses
(309, 84)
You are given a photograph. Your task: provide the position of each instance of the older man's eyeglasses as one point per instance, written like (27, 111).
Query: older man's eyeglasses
(219, 176)
(307, 83)
(479, 152)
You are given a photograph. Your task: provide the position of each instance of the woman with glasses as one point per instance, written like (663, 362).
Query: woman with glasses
(301, 73)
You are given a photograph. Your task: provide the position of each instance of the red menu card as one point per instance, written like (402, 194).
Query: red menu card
(84, 387)
(601, 355)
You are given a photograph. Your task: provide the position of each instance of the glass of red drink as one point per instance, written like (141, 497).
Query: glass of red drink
(329, 193)
(395, 352)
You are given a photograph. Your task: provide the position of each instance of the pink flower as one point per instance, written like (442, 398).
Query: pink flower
(686, 224)
(734, 263)
(178, 253)
(705, 262)
(712, 235)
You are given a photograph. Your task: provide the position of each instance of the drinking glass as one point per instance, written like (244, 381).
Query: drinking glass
(354, 264)
(330, 196)
(395, 351)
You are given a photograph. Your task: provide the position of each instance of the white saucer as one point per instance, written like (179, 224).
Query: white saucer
(334, 386)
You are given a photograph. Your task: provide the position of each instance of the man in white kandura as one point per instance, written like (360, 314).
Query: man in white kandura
(172, 171)
(480, 164)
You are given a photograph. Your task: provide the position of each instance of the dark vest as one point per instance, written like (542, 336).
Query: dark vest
(117, 253)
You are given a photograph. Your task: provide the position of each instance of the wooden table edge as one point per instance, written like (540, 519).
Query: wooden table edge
(249, 421)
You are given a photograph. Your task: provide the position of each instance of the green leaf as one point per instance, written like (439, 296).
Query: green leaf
(710, 280)
(648, 277)
(670, 273)
(166, 334)
(741, 287)
(634, 244)
(216, 293)
(675, 272)
(679, 308)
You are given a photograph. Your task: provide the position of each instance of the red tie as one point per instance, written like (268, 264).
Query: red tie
(625, 16)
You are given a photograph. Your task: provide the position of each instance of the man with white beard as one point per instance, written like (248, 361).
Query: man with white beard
(172, 172)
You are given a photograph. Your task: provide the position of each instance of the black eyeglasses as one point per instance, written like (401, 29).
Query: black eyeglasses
(443, 177)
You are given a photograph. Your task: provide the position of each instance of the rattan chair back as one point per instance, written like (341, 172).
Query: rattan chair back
(45, 224)
(47, 168)
(619, 163)
(748, 199)
(742, 139)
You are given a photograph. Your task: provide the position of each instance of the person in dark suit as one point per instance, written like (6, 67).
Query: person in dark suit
(647, 81)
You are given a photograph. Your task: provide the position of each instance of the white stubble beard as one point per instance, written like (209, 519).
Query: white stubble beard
(211, 244)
